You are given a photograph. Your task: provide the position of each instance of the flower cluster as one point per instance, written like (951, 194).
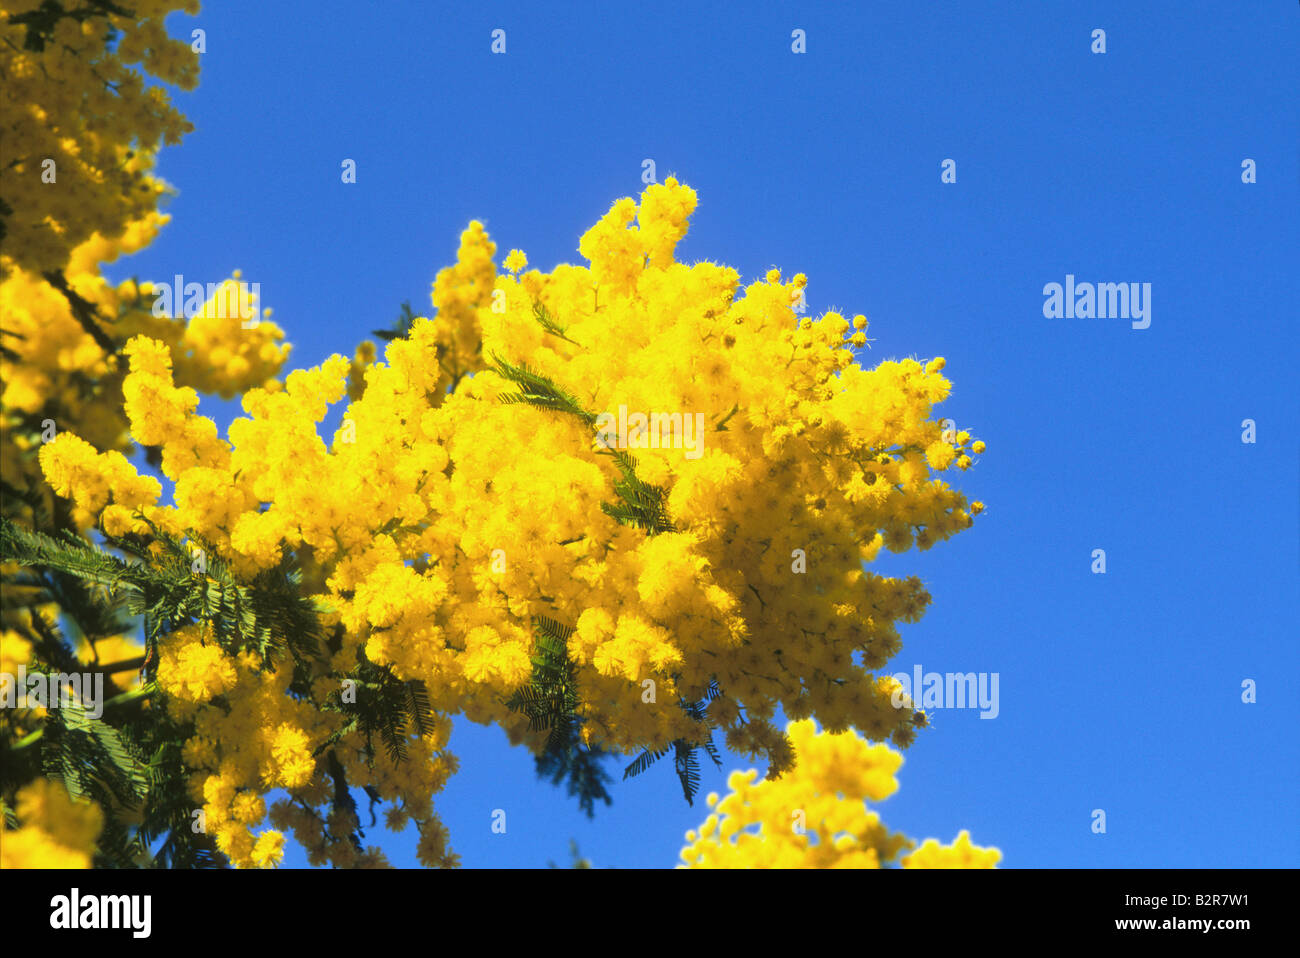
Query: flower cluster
(816, 816)
(56, 375)
(80, 124)
(439, 522)
(251, 737)
(54, 831)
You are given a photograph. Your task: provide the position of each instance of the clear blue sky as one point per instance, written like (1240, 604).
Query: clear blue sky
(1119, 691)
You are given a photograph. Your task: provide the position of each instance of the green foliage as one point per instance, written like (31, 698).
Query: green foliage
(401, 328)
(548, 323)
(381, 705)
(640, 504)
(685, 758)
(538, 390)
(129, 759)
(550, 701)
(266, 617)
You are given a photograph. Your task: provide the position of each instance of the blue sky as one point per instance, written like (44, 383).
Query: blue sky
(1119, 691)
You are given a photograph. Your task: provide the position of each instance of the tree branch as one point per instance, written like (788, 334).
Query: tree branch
(82, 309)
